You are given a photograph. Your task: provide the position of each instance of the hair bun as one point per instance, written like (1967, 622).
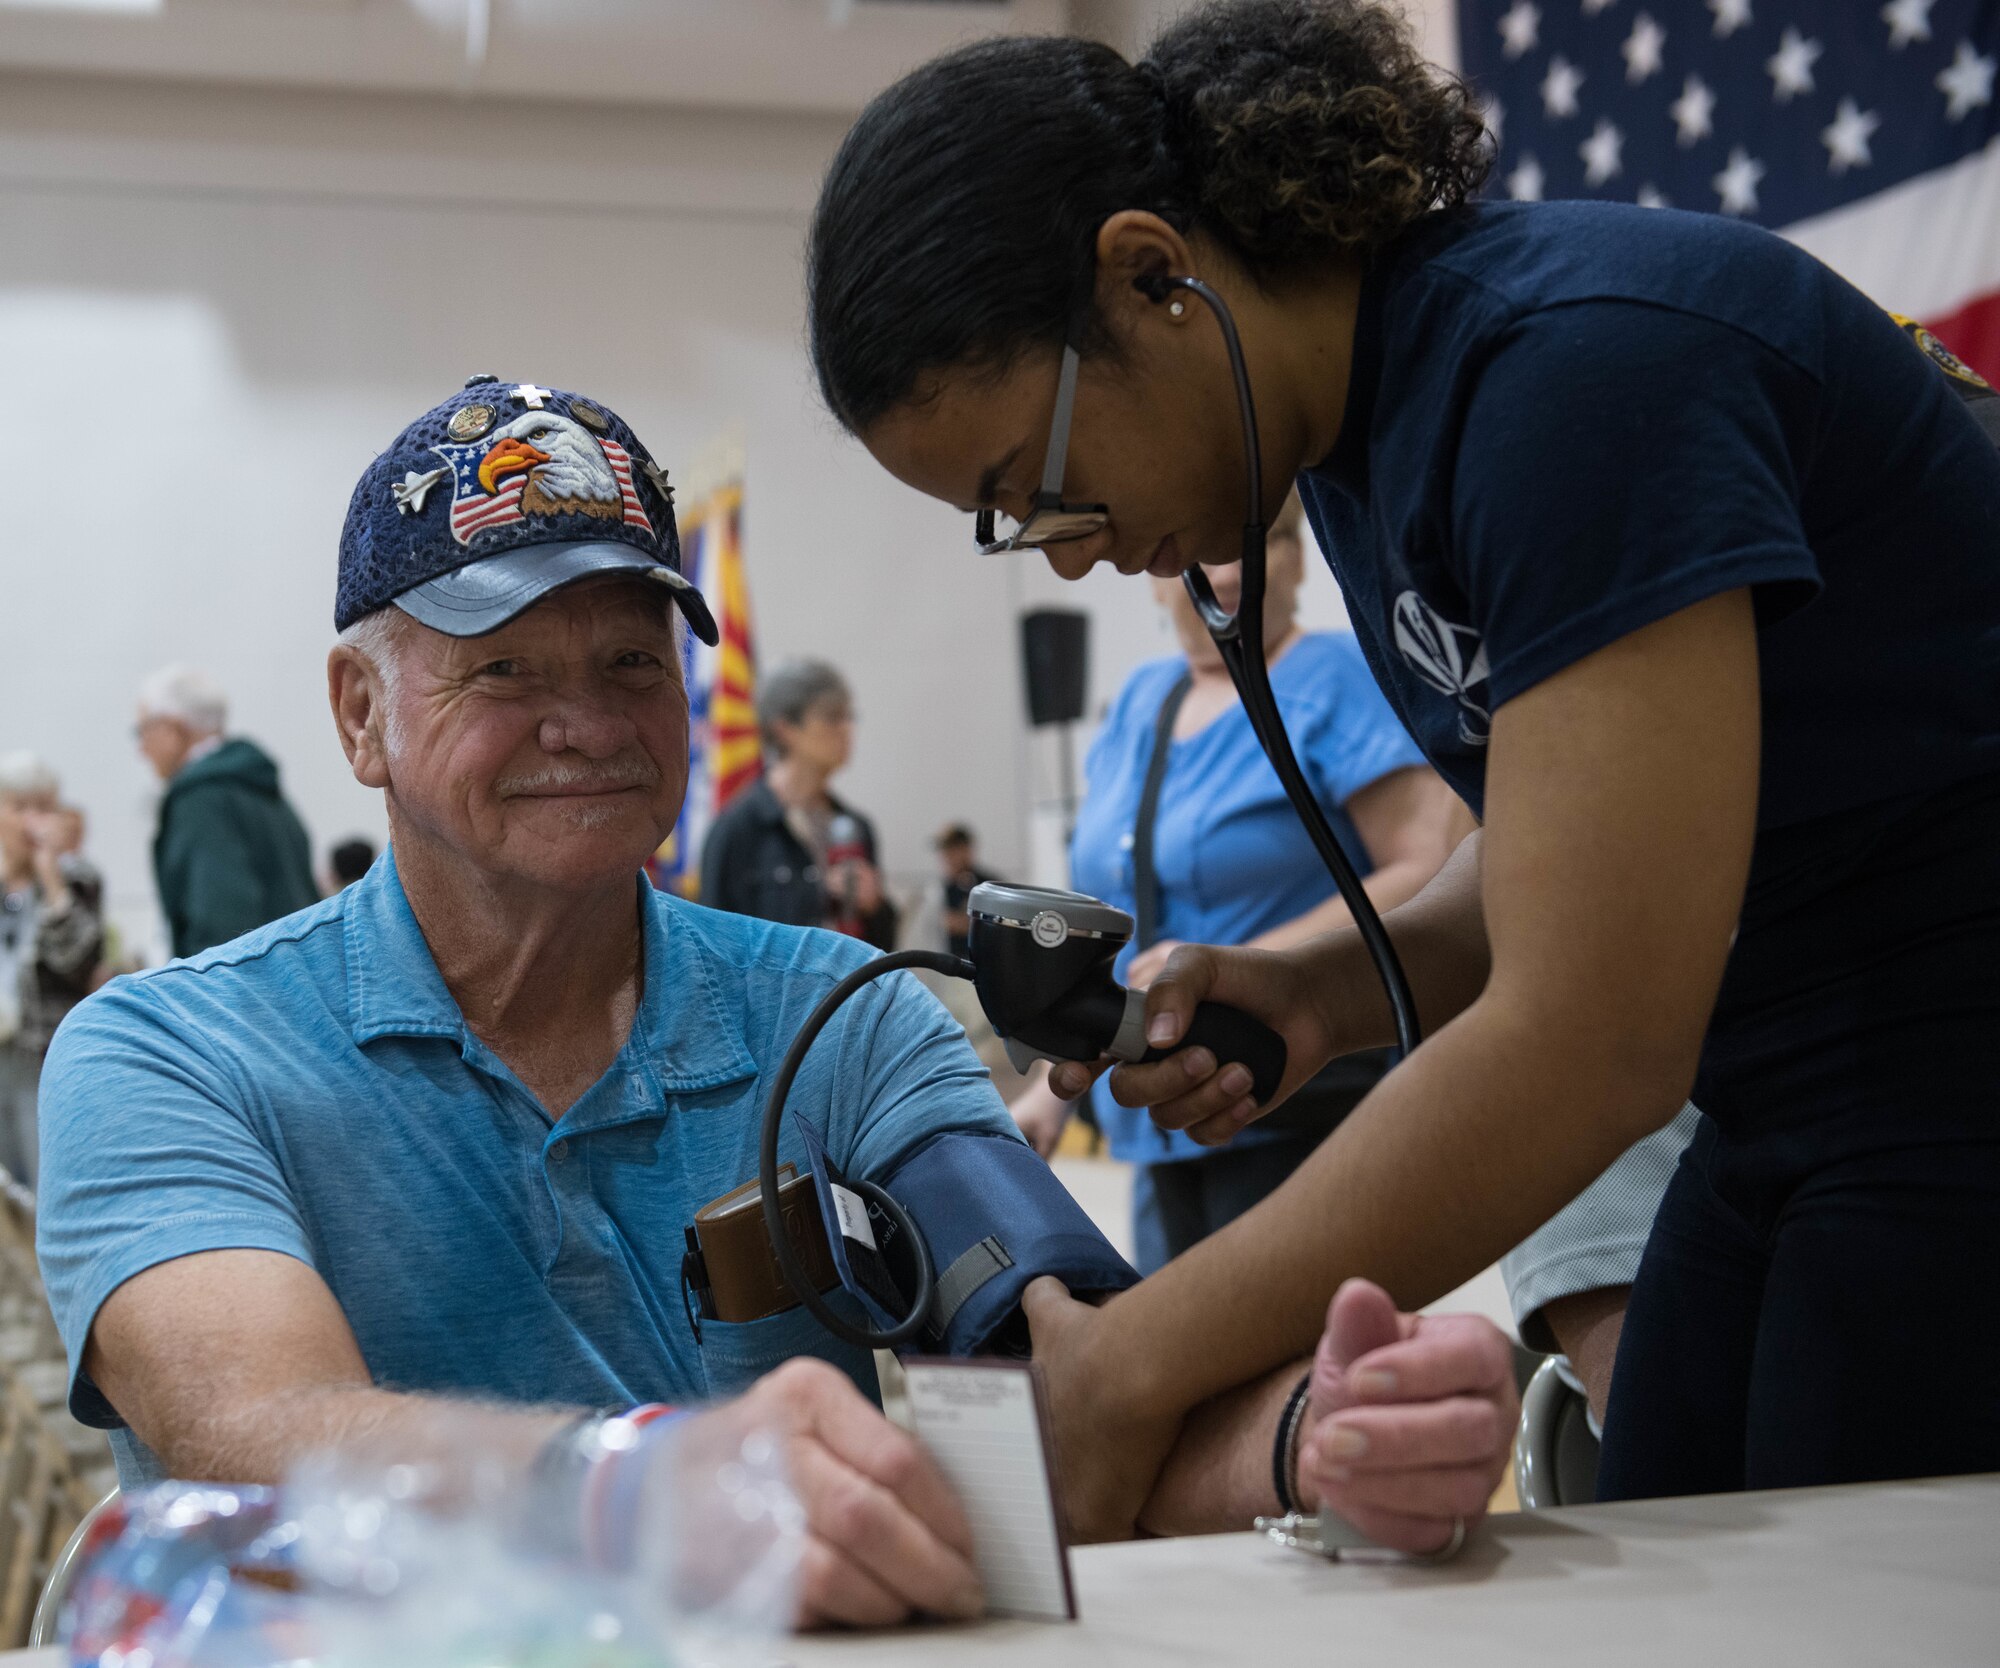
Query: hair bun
(1310, 126)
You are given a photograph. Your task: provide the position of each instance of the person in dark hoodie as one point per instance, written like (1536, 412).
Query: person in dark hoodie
(230, 852)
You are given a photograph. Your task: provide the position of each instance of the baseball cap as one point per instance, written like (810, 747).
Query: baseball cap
(498, 496)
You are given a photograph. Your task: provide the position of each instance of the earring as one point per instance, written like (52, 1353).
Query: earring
(1177, 308)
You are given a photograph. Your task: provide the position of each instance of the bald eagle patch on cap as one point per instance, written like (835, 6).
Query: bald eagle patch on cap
(531, 470)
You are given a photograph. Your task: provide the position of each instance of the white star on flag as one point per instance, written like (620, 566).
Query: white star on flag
(1908, 20)
(1730, 15)
(1602, 153)
(1737, 183)
(1791, 65)
(1525, 183)
(1650, 197)
(1592, 7)
(1520, 28)
(1968, 83)
(1694, 111)
(1494, 114)
(1642, 49)
(1846, 140)
(1559, 88)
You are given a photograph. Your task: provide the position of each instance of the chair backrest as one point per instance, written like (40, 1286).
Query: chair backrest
(63, 1571)
(1555, 1454)
(40, 1502)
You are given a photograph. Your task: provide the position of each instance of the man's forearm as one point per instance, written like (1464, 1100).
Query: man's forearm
(1587, 1326)
(1219, 1475)
(259, 1440)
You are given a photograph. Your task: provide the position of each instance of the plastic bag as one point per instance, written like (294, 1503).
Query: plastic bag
(187, 1573)
(683, 1549)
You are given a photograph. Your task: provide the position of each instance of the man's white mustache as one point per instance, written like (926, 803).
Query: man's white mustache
(615, 778)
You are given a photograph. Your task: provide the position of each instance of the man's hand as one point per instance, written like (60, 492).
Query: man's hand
(1410, 1421)
(236, 1364)
(1108, 1452)
(886, 1538)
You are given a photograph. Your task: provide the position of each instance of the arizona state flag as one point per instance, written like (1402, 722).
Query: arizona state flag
(724, 756)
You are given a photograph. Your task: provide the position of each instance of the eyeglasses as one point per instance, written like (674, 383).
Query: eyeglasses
(1049, 519)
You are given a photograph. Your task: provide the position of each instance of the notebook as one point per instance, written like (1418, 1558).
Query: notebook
(985, 1422)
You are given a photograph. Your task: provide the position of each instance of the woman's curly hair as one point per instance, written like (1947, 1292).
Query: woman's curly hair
(957, 223)
(1303, 126)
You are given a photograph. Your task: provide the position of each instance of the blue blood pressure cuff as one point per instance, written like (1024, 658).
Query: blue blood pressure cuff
(994, 1217)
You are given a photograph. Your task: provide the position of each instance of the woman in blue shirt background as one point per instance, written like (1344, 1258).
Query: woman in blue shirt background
(1234, 865)
(1679, 560)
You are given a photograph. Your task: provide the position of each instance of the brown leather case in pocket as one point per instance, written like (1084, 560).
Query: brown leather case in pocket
(744, 1280)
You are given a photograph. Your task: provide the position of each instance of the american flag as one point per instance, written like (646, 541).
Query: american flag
(724, 750)
(1862, 131)
(474, 510)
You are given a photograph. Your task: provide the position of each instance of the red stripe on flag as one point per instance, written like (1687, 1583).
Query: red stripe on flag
(1973, 333)
(473, 514)
(621, 467)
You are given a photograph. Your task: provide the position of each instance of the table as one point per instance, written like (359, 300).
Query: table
(1818, 1578)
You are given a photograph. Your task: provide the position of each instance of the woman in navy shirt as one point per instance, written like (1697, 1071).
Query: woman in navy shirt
(1233, 864)
(1682, 564)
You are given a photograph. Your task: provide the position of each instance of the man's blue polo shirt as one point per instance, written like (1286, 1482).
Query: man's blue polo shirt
(312, 1089)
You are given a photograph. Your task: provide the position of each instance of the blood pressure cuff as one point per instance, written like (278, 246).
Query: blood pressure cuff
(994, 1217)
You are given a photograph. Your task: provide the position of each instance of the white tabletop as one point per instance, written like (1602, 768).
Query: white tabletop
(1894, 1572)
(1897, 1572)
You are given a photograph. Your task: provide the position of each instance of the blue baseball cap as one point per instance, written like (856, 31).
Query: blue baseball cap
(502, 494)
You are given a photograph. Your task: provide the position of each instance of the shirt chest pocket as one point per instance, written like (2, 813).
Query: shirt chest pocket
(735, 1356)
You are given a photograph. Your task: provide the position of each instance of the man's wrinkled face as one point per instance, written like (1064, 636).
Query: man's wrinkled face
(554, 750)
(164, 742)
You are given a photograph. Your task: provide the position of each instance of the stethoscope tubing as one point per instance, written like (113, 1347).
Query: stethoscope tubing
(1240, 639)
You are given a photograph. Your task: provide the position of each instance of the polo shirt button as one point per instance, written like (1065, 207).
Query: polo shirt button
(559, 1153)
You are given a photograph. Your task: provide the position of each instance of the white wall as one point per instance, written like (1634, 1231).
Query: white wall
(215, 305)
(217, 301)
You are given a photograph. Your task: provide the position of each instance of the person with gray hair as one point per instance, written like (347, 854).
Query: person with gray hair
(51, 936)
(785, 849)
(230, 853)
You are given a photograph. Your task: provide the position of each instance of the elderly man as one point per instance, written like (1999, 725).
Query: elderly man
(434, 1142)
(230, 853)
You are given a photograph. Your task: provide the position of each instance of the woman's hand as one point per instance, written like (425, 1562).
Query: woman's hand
(1148, 963)
(1109, 1450)
(856, 885)
(48, 839)
(1289, 990)
(1041, 1114)
(1410, 1422)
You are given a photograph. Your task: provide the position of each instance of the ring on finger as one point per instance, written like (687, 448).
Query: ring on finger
(1450, 1550)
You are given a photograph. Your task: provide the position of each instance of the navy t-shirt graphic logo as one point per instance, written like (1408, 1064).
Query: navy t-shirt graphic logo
(1450, 658)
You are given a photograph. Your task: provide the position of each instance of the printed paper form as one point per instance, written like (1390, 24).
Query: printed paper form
(982, 1422)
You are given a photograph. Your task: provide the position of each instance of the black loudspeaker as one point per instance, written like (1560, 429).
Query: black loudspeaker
(1055, 664)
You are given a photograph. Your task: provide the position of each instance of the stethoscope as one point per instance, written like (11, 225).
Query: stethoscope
(1014, 966)
(1239, 637)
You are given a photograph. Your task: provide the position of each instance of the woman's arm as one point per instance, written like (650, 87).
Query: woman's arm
(1406, 826)
(1621, 814)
